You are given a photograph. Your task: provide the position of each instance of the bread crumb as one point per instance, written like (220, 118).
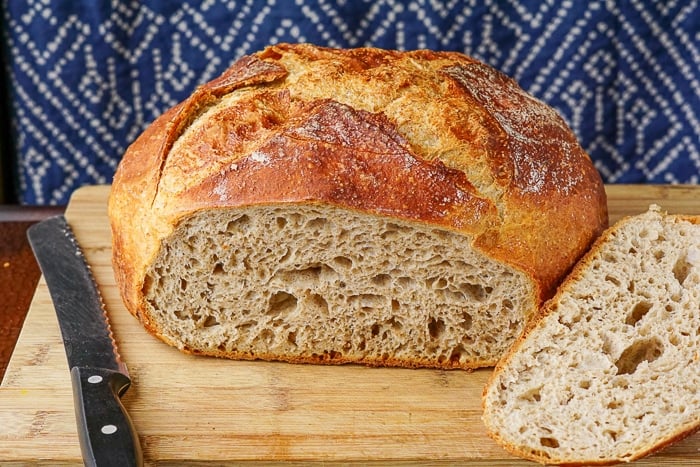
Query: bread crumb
(693, 257)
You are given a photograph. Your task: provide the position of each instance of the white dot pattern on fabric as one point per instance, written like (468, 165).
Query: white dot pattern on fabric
(85, 80)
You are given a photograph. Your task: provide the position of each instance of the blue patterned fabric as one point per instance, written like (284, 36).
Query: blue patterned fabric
(86, 78)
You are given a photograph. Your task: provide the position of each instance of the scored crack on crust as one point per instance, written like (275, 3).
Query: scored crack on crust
(432, 139)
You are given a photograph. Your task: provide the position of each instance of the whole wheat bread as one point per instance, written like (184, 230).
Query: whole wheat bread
(611, 371)
(359, 205)
(312, 282)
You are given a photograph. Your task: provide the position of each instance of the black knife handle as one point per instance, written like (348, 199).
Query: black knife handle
(107, 436)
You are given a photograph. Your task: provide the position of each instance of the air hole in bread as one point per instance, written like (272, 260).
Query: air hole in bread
(643, 350)
(267, 336)
(438, 283)
(237, 225)
(149, 281)
(674, 340)
(318, 223)
(681, 269)
(371, 301)
(382, 280)
(245, 327)
(549, 442)
(614, 404)
(314, 272)
(466, 322)
(638, 312)
(389, 234)
(281, 303)
(343, 262)
(327, 355)
(458, 354)
(613, 279)
(436, 327)
(475, 291)
(533, 395)
(210, 321)
(394, 324)
(218, 269)
(610, 257)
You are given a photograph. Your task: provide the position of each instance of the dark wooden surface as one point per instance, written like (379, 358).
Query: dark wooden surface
(19, 272)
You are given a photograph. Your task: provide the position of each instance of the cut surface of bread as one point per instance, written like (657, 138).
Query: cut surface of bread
(611, 371)
(317, 283)
(489, 182)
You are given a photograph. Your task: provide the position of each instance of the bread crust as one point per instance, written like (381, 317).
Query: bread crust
(431, 137)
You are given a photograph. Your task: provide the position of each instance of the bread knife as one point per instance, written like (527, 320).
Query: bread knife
(98, 375)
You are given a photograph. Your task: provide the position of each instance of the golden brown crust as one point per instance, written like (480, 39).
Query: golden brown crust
(352, 158)
(433, 137)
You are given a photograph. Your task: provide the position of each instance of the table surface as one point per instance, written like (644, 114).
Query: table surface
(215, 411)
(19, 273)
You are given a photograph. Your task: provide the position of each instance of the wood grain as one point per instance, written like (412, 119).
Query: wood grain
(19, 272)
(196, 410)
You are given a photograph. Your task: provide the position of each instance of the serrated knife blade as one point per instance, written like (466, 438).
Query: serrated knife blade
(98, 375)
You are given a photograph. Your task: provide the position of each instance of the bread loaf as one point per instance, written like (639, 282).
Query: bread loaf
(363, 205)
(611, 371)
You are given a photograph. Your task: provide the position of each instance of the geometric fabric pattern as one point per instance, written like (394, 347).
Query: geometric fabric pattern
(86, 78)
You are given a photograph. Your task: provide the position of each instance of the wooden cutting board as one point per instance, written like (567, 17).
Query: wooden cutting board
(202, 410)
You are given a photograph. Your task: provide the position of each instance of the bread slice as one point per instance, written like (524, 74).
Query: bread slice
(611, 371)
(351, 205)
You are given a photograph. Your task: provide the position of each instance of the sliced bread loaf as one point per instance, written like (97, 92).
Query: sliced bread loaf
(611, 371)
(351, 205)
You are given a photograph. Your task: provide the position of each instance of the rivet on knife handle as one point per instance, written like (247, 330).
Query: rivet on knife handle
(107, 436)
